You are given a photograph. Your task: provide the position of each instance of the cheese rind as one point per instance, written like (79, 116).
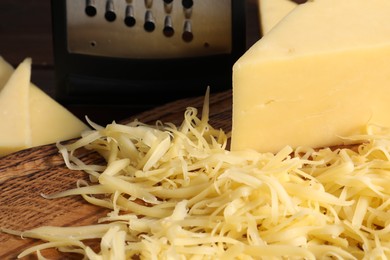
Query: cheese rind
(297, 87)
(15, 133)
(272, 11)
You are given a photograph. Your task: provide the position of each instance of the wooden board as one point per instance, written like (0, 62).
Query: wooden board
(27, 174)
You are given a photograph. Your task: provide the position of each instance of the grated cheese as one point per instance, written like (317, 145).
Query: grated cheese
(203, 201)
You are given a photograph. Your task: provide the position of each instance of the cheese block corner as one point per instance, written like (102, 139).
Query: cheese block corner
(272, 11)
(320, 74)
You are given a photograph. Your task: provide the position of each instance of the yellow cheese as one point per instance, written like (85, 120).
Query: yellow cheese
(320, 74)
(272, 11)
(15, 132)
(51, 122)
(5, 72)
(45, 120)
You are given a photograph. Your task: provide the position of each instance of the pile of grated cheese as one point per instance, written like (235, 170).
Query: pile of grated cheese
(179, 193)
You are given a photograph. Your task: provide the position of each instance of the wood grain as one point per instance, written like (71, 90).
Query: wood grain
(27, 174)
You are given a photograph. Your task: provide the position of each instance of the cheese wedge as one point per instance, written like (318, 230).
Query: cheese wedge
(50, 121)
(272, 11)
(46, 122)
(322, 73)
(15, 132)
(6, 71)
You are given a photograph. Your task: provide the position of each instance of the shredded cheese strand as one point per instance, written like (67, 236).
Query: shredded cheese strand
(178, 193)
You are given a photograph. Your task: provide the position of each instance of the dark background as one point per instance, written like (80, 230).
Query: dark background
(25, 31)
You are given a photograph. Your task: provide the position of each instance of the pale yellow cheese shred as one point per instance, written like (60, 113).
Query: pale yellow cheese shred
(202, 201)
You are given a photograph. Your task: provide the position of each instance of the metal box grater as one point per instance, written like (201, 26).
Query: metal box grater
(143, 53)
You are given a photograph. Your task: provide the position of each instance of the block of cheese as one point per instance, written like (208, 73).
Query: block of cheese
(322, 73)
(15, 133)
(45, 120)
(272, 11)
